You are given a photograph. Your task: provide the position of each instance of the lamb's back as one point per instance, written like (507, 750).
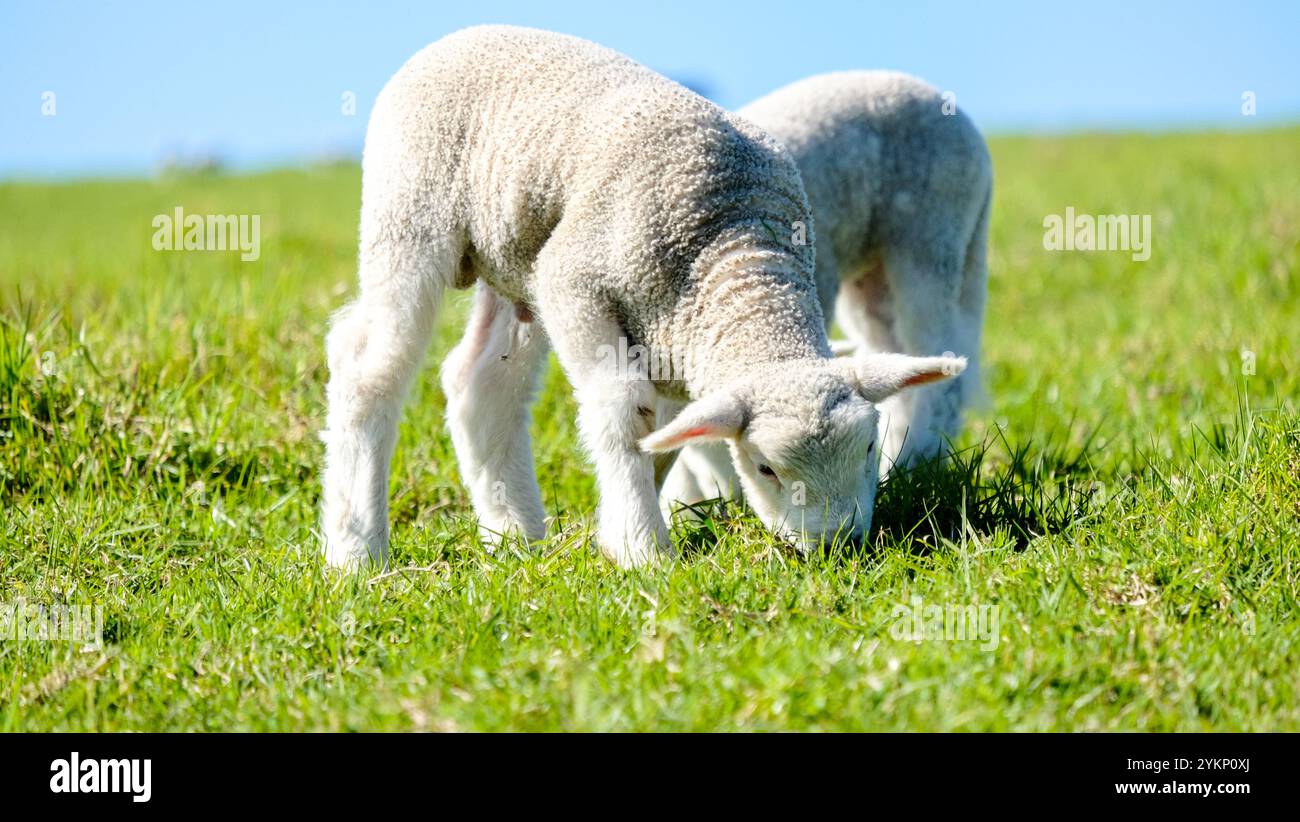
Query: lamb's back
(482, 130)
(871, 144)
(505, 131)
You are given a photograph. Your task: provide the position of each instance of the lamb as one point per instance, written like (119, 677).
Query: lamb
(591, 204)
(900, 182)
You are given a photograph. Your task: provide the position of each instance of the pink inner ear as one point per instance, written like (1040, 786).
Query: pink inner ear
(697, 431)
(689, 434)
(692, 433)
(923, 378)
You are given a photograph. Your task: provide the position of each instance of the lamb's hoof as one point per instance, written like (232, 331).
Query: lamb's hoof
(349, 553)
(497, 543)
(649, 555)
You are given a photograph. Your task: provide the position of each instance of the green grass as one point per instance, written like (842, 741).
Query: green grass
(1128, 501)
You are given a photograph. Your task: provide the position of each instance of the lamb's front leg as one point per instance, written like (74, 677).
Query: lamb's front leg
(614, 414)
(616, 409)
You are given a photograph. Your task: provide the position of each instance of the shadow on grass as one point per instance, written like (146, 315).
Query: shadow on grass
(697, 528)
(1025, 491)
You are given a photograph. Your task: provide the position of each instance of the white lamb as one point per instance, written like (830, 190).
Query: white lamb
(595, 204)
(899, 182)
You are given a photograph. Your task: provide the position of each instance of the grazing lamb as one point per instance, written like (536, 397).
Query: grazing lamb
(592, 204)
(899, 182)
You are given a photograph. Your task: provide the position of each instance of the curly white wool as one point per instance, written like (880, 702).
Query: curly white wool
(585, 194)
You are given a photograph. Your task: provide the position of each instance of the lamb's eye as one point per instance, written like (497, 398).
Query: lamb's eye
(871, 447)
(766, 470)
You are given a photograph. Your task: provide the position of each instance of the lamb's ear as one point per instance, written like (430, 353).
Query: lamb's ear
(883, 375)
(720, 416)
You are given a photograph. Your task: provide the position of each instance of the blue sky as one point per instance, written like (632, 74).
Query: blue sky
(261, 83)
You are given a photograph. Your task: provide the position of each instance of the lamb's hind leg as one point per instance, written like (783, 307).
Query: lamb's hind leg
(929, 319)
(490, 380)
(940, 284)
(864, 310)
(374, 348)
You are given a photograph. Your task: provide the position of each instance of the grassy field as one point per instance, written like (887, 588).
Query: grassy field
(1126, 508)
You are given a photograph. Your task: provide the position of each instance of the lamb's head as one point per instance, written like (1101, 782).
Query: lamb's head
(803, 437)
